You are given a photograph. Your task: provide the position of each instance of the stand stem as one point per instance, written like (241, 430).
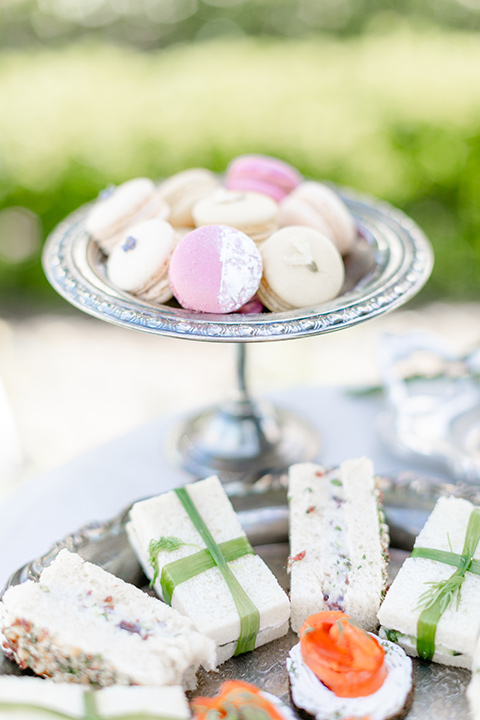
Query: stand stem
(241, 353)
(242, 438)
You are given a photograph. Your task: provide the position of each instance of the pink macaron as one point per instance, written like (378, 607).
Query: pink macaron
(215, 269)
(262, 174)
(252, 307)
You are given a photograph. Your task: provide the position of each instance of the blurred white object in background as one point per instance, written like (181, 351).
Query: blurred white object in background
(433, 411)
(11, 455)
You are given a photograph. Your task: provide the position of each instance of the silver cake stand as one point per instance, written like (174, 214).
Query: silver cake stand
(242, 438)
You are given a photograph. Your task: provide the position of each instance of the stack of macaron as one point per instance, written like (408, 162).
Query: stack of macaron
(262, 237)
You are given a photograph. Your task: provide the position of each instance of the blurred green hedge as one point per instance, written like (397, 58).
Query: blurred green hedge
(153, 24)
(396, 115)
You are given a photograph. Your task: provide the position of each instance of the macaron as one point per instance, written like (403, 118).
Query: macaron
(139, 264)
(263, 174)
(215, 269)
(119, 207)
(301, 267)
(254, 214)
(315, 205)
(252, 307)
(182, 190)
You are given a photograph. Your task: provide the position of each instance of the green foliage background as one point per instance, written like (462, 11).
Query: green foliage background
(395, 113)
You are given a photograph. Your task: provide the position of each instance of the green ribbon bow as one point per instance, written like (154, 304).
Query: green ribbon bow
(213, 555)
(181, 570)
(441, 594)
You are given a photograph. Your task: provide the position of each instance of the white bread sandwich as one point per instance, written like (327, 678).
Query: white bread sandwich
(193, 548)
(81, 624)
(338, 542)
(29, 698)
(433, 606)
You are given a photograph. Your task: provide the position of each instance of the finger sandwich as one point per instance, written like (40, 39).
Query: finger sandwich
(432, 608)
(27, 698)
(191, 545)
(81, 624)
(338, 542)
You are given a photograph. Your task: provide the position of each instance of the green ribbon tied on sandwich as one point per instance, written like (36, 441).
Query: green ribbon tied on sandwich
(441, 594)
(212, 555)
(90, 711)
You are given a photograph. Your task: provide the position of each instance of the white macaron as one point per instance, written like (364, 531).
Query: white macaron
(301, 268)
(183, 190)
(316, 205)
(139, 263)
(253, 213)
(119, 207)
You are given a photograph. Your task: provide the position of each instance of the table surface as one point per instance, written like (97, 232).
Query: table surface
(103, 481)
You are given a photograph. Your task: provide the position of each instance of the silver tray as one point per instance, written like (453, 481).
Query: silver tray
(391, 262)
(439, 691)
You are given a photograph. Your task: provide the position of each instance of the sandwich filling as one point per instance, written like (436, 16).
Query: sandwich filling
(409, 643)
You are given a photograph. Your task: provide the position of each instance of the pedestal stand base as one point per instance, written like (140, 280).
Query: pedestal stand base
(242, 440)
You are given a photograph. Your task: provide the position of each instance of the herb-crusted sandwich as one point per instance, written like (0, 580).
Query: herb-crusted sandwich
(193, 548)
(433, 606)
(81, 624)
(27, 698)
(338, 542)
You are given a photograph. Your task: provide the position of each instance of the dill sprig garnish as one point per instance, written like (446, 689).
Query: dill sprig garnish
(442, 592)
(167, 543)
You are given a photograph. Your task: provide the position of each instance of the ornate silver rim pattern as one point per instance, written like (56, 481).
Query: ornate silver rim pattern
(87, 536)
(403, 261)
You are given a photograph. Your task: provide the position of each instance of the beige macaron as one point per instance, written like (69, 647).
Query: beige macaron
(253, 213)
(119, 207)
(139, 264)
(182, 190)
(316, 205)
(301, 268)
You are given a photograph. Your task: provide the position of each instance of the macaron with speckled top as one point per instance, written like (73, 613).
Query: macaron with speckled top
(117, 208)
(262, 174)
(139, 264)
(301, 268)
(215, 269)
(316, 205)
